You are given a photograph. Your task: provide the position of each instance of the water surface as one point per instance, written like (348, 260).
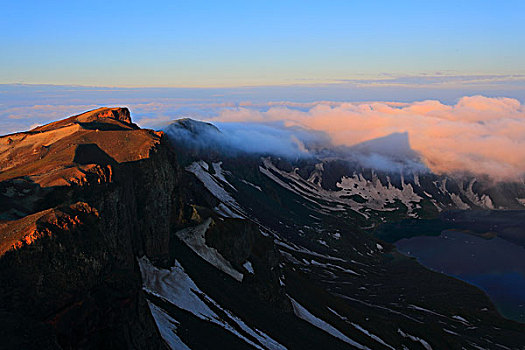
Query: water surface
(495, 265)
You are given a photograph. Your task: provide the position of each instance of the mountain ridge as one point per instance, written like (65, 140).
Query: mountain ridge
(69, 247)
(128, 240)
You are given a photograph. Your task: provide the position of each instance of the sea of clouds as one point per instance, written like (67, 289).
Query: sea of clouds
(477, 134)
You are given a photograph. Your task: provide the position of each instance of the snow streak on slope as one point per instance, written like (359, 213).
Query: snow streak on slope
(377, 191)
(361, 329)
(213, 183)
(425, 344)
(194, 238)
(376, 196)
(176, 287)
(248, 266)
(373, 336)
(167, 327)
(226, 212)
(483, 201)
(304, 314)
(219, 174)
(329, 266)
(480, 200)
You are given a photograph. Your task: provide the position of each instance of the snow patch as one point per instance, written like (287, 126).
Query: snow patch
(167, 327)
(226, 212)
(250, 184)
(333, 266)
(483, 200)
(212, 184)
(376, 195)
(248, 266)
(306, 251)
(450, 332)
(461, 319)
(373, 336)
(176, 287)
(458, 202)
(419, 308)
(320, 241)
(195, 239)
(415, 339)
(304, 314)
(219, 174)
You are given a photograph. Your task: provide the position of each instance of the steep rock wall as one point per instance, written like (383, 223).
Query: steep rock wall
(68, 274)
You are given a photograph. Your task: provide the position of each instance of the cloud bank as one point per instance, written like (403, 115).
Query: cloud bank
(480, 135)
(237, 138)
(476, 134)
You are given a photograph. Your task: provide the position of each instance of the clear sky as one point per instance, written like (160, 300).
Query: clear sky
(236, 43)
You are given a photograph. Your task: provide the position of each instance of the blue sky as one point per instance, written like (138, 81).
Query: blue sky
(247, 43)
(169, 59)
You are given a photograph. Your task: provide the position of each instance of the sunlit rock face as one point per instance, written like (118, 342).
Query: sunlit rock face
(88, 194)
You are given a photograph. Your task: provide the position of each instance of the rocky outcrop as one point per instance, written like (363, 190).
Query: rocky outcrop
(241, 242)
(96, 191)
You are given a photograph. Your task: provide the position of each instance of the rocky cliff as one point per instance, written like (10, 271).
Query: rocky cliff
(81, 199)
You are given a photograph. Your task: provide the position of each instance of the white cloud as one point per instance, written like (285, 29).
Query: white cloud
(478, 134)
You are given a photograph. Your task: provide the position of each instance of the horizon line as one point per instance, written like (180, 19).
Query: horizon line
(376, 79)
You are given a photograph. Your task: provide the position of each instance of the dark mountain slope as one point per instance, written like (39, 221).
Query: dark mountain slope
(117, 237)
(334, 271)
